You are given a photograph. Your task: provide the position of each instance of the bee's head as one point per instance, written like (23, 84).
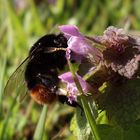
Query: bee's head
(49, 41)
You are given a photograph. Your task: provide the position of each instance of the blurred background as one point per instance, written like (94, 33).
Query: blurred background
(22, 23)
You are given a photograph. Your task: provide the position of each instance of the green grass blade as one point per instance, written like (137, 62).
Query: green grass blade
(6, 120)
(38, 135)
(1, 81)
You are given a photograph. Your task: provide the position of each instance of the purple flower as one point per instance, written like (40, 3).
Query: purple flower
(113, 37)
(78, 48)
(71, 86)
(116, 38)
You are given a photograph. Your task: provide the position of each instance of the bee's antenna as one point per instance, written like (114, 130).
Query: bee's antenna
(52, 49)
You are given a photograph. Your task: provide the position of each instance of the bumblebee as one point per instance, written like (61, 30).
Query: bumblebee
(40, 71)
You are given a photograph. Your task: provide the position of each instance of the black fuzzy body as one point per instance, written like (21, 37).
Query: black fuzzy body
(42, 68)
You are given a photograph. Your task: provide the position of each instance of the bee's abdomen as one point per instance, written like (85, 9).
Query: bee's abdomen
(41, 95)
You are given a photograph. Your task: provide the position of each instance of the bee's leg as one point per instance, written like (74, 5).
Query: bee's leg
(64, 99)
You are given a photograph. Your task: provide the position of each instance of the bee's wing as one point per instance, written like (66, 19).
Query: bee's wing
(16, 85)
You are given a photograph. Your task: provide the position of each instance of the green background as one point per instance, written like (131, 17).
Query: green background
(22, 23)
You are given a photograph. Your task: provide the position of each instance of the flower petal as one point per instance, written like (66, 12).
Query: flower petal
(78, 49)
(71, 86)
(70, 30)
(66, 77)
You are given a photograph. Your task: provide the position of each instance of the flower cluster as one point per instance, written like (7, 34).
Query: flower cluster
(117, 45)
(116, 38)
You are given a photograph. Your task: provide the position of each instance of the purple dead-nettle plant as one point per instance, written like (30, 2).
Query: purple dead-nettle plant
(112, 67)
(124, 56)
(121, 53)
(116, 38)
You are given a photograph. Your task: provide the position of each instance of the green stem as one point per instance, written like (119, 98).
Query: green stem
(90, 118)
(85, 105)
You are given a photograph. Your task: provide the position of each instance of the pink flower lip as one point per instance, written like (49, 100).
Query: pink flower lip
(70, 30)
(71, 86)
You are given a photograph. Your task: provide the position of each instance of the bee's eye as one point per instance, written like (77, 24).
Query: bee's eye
(56, 42)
